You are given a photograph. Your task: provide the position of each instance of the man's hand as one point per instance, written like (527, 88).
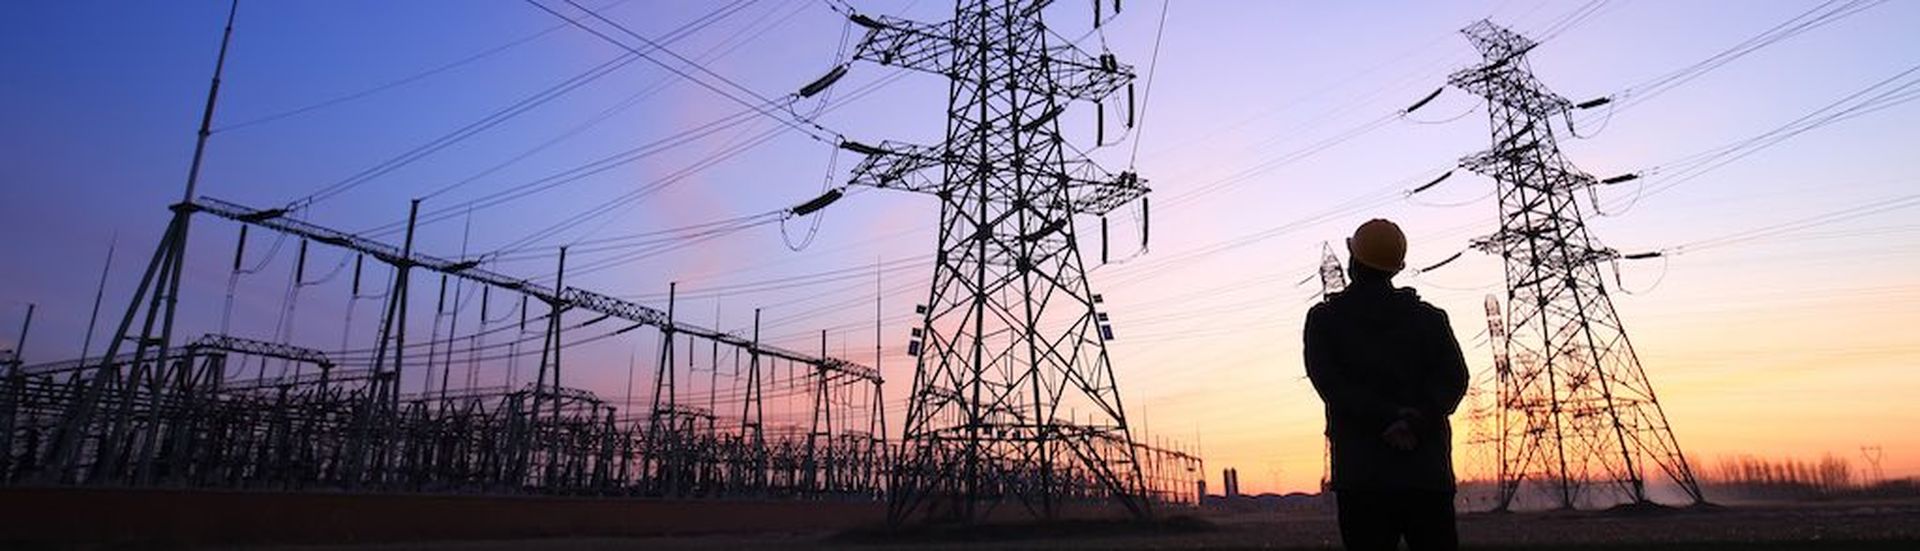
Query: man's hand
(1399, 435)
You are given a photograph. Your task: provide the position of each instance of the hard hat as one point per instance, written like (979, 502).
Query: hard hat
(1379, 244)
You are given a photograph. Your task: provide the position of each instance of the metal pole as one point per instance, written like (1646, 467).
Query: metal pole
(99, 293)
(162, 276)
(206, 116)
(402, 277)
(20, 345)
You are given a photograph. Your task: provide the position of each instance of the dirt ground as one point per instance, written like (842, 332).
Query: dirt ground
(1856, 525)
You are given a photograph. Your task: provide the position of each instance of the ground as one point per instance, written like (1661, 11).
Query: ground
(1834, 525)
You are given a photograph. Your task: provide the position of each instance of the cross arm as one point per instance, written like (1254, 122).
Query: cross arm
(930, 47)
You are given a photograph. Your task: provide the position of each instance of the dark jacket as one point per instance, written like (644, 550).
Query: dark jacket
(1370, 351)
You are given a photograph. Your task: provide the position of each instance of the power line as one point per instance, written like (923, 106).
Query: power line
(501, 115)
(1877, 206)
(811, 129)
(1146, 93)
(662, 145)
(630, 198)
(1813, 18)
(403, 81)
(1889, 95)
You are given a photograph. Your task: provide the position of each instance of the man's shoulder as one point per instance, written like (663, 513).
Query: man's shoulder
(1332, 308)
(1334, 301)
(1412, 298)
(1323, 307)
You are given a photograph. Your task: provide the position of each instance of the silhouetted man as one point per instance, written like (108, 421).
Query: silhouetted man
(1390, 371)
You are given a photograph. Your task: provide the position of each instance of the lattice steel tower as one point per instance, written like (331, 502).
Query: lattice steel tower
(1013, 398)
(1333, 273)
(1577, 410)
(1333, 279)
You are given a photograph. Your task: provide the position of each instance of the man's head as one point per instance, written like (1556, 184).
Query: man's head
(1377, 250)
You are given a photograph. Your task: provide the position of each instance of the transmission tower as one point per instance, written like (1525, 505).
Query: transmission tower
(1333, 279)
(1013, 398)
(1874, 455)
(1577, 408)
(1478, 456)
(1333, 275)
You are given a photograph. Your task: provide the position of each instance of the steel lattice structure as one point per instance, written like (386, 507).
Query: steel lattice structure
(1333, 279)
(1477, 455)
(1333, 274)
(209, 415)
(151, 412)
(1013, 397)
(188, 416)
(1578, 412)
(212, 416)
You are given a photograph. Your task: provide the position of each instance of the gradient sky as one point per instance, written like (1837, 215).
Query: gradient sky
(1794, 345)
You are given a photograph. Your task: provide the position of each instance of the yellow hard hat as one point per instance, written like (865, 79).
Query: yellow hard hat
(1379, 244)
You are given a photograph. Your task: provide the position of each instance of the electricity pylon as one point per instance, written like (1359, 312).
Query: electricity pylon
(1333, 279)
(1333, 274)
(1577, 408)
(1013, 396)
(1478, 455)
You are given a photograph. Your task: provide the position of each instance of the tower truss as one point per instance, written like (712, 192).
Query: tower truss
(1013, 399)
(1578, 413)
